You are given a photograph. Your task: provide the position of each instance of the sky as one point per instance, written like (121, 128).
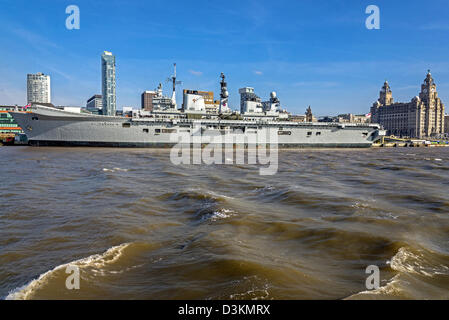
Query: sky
(316, 53)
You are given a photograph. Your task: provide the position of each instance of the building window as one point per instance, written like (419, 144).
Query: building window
(146, 130)
(318, 133)
(309, 134)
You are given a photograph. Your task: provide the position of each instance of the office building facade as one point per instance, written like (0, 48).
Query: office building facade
(38, 88)
(421, 118)
(108, 83)
(147, 100)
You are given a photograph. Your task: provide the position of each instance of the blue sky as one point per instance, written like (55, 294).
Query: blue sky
(316, 53)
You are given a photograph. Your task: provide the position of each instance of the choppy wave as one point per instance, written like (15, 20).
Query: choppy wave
(96, 262)
(413, 268)
(224, 232)
(406, 261)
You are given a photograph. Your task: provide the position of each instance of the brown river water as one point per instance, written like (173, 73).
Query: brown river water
(140, 227)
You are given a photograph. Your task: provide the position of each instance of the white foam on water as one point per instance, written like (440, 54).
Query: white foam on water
(115, 170)
(256, 292)
(391, 289)
(266, 189)
(222, 214)
(406, 263)
(414, 263)
(97, 261)
(218, 215)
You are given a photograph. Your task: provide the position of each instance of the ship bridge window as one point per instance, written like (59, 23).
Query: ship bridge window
(146, 130)
(309, 134)
(126, 125)
(157, 131)
(318, 133)
(168, 130)
(365, 134)
(34, 118)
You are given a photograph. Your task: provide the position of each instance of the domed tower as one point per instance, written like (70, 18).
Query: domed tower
(309, 115)
(431, 108)
(386, 96)
(428, 89)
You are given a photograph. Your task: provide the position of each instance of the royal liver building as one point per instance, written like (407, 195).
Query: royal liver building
(420, 118)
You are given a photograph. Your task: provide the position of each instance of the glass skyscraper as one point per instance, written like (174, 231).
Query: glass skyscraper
(108, 83)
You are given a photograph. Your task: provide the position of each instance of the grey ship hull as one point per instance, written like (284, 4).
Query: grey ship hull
(52, 127)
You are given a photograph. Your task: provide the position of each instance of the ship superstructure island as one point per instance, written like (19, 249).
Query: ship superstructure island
(50, 126)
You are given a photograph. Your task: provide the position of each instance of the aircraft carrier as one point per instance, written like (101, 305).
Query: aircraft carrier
(163, 126)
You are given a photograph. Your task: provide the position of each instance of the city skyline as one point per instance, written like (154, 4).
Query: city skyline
(321, 56)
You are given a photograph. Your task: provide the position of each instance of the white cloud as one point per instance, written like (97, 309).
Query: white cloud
(11, 95)
(320, 84)
(36, 40)
(259, 73)
(196, 73)
(441, 26)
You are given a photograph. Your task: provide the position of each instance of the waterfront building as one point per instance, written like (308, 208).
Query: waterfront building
(38, 88)
(307, 117)
(95, 103)
(108, 83)
(422, 117)
(347, 118)
(147, 100)
(360, 118)
(352, 118)
(446, 123)
(297, 118)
